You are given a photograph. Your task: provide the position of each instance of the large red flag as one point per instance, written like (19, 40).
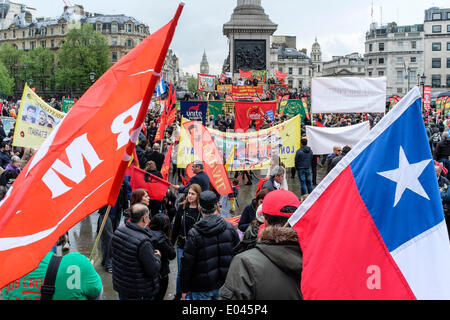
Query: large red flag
(207, 151)
(81, 165)
(246, 112)
(156, 187)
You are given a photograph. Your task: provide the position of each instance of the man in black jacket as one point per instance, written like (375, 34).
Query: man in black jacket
(303, 160)
(208, 252)
(200, 178)
(155, 155)
(135, 263)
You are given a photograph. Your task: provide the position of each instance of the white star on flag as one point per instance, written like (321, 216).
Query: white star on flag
(407, 177)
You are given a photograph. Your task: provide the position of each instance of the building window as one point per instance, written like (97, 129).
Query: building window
(5, 35)
(413, 59)
(399, 75)
(381, 46)
(114, 56)
(448, 81)
(51, 31)
(23, 45)
(437, 16)
(436, 29)
(14, 33)
(290, 70)
(399, 90)
(436, 62)
(130, 43)
(400, 44)
(448, 63)
(448, 46)
(448, 28)
(43, 44)
(448, 15)
(370, 73)
(370, 61)
(291, 83)
(413, 44)
(370, 47)
(436, 80)
(380, 73)
(63, 29)
(399, 59)
(99, 27)
(280, 69)
(114, 28)
(52, 43)
(128, 27)
(23, 34)
(114, 41)
(436, 46)
(381, 61)
(412, 75)
(300, 71)
(32, 45)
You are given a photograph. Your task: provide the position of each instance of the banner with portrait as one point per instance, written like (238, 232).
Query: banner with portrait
(252, 150)
(260, 75)
(225, 88)
(206, 83)
(35, 120)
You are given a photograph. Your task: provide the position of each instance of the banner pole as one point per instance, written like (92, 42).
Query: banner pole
(100, 233)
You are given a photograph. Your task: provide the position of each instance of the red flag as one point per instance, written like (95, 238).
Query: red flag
(189, 172)
(245, 112)
(245, 74)
(184, 180)
(156, 187)
(80, 167)
(319, 124)
(171, 116)
(162, 126)
(165, 169)
(280, 75)
(207, 151)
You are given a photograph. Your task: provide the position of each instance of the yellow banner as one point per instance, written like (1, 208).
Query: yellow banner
(35, 120)
(252, 150)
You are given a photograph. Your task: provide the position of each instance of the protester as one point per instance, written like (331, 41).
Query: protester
(200, 178)
(336, 160)
(5, 154)
(275, 161)
(136, 264)
(74, 277)
(303, 160)
(276, 180)
(442, 151)
(14, 164)
(208, 252)
(187, 215)
(249, 213)
(271, 270)
(337, 150)
(156, 156)
(160, 230)
(141, 148)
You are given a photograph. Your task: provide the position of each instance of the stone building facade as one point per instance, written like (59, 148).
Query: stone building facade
(397, 53)
(350, 65)
(437, 48)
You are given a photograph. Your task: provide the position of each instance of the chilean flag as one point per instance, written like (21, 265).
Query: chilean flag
(374, 228)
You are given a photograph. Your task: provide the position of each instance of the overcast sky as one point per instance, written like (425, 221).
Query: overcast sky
(339, 26)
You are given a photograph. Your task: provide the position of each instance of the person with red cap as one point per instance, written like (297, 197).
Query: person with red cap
(277, 256)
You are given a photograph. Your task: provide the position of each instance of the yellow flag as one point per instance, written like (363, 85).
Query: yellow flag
(230, 158)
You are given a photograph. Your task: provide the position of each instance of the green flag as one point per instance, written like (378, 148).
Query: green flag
(293, 108)
(215, 108)
(67, 105)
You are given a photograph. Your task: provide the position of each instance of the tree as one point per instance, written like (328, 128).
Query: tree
(10, 57)
(192, 84)
(6, 81)
(83, 52)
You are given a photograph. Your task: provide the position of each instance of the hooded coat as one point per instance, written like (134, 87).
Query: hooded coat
(270, 271)
(303, 158)
(207, 254)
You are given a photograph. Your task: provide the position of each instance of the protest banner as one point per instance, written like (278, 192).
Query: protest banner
(225, 88)
(67, 104)
(206, 83)
(253, 150)
(215, 109)
(246, 112)
(427, 97)
(293, 108)
(35, 120)
(194, 110)
(348, 94)
(246, 92)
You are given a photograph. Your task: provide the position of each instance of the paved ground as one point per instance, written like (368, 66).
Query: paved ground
(82, 237)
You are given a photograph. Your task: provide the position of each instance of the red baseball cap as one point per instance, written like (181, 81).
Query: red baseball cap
(276, 200)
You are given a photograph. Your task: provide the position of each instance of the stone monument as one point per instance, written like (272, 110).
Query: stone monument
(249, 32)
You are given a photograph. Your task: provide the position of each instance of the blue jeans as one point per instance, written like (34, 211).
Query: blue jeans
(178, 285)
(305, 180)
(207, 295)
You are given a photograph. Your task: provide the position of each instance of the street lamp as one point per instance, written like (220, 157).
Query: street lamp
(31, 82)
(92, 76)
(423, 77)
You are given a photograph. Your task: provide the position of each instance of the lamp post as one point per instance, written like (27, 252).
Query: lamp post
(92, 76)
(423, 77)
(31, 82)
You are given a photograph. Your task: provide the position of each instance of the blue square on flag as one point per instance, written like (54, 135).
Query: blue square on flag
(270, 115)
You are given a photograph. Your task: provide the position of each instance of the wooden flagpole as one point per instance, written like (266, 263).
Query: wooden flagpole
(99, 234)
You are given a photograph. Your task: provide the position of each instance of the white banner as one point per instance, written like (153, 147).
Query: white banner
(322, 140)
(351, 94)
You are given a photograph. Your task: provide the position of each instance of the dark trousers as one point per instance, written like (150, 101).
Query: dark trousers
(249, 178)
(163, 285)
(106, 240)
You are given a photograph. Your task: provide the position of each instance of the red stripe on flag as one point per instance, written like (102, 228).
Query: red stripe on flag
(344, 255)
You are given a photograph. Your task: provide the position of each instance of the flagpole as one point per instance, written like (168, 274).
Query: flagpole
(99, 233)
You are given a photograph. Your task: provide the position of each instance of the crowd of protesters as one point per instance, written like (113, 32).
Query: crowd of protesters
(215, 260)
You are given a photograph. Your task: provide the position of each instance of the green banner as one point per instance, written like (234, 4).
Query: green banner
(293, 108)
(260, 75)
(67, 105)
(215, 109)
